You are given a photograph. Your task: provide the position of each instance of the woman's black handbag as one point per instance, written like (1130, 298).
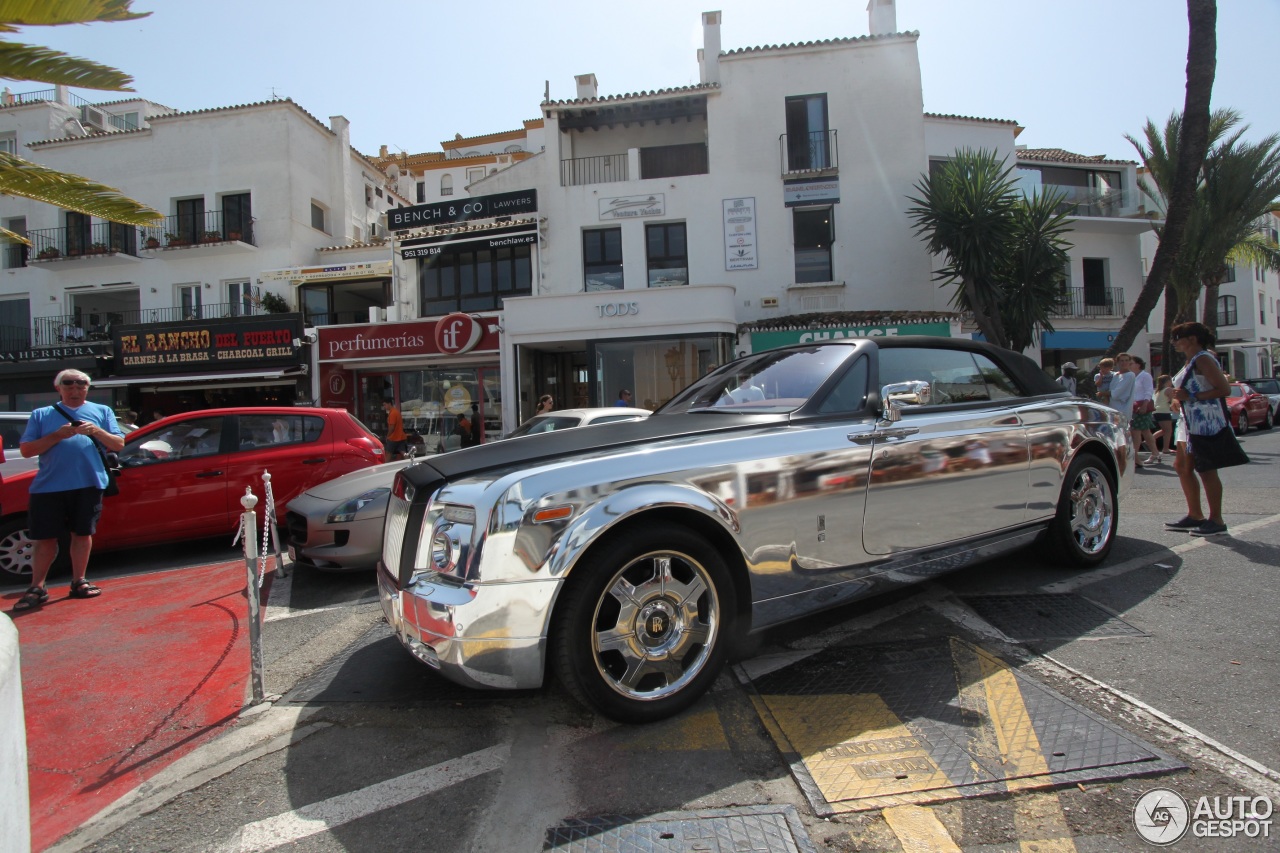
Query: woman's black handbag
(110, 460)
(1220, 450)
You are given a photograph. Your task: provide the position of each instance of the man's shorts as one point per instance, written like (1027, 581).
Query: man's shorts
(51, 514)
(394, 447)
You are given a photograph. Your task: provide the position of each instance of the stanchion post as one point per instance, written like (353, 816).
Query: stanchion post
(249, 533)
(281, 571)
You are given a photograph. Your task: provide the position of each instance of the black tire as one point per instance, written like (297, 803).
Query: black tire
(1242, 423)
(1084, 528)
(665, 599)
(1267, 420)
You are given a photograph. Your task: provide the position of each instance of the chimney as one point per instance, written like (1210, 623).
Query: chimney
(587, 86)
(709, 56)
(882, 17)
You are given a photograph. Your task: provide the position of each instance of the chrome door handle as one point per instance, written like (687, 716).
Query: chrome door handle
(895, 432)
(862, 437)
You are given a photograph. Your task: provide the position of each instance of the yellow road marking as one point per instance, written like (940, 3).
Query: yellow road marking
(700, 730)
(919, 830)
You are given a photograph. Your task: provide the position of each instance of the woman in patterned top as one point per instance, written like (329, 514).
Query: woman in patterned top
(1201, 389)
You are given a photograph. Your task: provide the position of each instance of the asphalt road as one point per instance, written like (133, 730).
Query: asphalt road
(1172, 647)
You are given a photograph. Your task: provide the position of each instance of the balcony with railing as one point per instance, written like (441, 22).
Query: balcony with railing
(604, 169)
(1091, 201)
(1091, 302)
(102, 243)
(656, 161)
(107, 243)
(63, 329)
(188, 231)
(804, 153)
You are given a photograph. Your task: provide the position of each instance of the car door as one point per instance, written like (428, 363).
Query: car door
(955, 468)
(295, 447)
(173, 484)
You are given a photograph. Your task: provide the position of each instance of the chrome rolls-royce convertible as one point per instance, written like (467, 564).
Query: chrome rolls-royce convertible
(628, 558)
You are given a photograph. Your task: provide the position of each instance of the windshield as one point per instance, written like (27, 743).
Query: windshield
(545, 423)
(771, 382)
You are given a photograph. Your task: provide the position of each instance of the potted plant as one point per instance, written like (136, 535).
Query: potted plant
(48, 253)
(210, 236)
(273, 303)
(172, 239)
(153, 242)
(233, 235)
(98, 249)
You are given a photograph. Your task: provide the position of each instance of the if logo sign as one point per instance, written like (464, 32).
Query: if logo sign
(458, 333)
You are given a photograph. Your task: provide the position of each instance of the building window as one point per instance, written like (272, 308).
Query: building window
(77, 233)
(422, 191)
(1262, 308)
(1226, 310)
(813, 233)
(15, 326)
(474, 175)
(190, 301)
(9, 143)
(240, 298)
(191, 226)
(602, 259)
(1095, 281)
(1231, 274)
(474, 279)
(667, 254)
(446, 185)
(16, 254)
(342, 302)
(237, 217)
(807, 144)
(317, 217)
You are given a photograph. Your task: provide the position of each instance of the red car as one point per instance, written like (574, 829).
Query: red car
(183, 476)
(1248, 408)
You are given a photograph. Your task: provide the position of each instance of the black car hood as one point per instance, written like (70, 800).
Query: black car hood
(548, 446)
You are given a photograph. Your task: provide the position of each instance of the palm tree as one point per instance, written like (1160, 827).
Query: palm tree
(1193, 143)
(20, 177)
(1005, 252)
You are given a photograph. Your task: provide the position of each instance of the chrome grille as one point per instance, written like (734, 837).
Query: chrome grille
(393, 533)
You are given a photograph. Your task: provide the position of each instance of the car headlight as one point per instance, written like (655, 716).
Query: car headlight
(346, 511)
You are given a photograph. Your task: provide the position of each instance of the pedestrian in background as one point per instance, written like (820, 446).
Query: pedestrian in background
(545, 404)
(1201, 390)
(624, 398)
(1102, 379)
(396, 439)
(127, 421)
(1163, 416)
(66, 493)
(1120, 396)
(1068, 378)
(1144, 407)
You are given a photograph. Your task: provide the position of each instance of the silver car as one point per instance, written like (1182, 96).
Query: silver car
(628, 559)
(337, 526)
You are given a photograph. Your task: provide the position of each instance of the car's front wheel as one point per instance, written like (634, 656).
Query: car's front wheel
(1242, 422)
(1085, 527)
(642, 628)
(15, 550)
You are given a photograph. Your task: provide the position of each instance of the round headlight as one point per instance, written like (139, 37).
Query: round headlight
(442, 550)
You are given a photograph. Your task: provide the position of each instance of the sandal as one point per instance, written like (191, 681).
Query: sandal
(32, 598)
(83, 589)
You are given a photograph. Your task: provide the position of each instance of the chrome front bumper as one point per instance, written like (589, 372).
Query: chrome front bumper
(479, 636)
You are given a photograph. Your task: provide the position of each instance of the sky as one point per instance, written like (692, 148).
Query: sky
(410, 74)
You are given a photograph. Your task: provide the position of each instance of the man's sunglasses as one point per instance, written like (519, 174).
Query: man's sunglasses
(70, 382)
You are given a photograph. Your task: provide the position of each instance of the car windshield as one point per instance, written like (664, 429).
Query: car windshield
(1237, 391)
(771, 382)
(544, 423)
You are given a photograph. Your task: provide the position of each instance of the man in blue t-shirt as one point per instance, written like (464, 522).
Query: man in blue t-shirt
(66, 493)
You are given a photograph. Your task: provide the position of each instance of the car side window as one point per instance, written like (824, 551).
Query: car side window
(955, 376)
(272, 430)
(850, 393)
(189, 439)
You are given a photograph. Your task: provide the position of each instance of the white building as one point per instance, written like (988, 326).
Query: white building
(250, 194)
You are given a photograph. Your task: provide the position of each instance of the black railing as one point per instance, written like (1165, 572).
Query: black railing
(31, 97)
(14, 339)
(192, 229)
(604, 169)
(101, 238)
(15, 256)
(808, 152)
(1091, 302)
(669, 161)
(96, 326)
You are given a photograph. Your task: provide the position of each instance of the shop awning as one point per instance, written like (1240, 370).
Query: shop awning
(281, 376)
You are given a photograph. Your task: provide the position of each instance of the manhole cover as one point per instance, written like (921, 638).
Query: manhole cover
(751, 829)
(1049, 616)
(920, 721)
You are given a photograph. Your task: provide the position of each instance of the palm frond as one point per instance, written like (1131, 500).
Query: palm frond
(52, 13)
(29, 180)
(27, 62)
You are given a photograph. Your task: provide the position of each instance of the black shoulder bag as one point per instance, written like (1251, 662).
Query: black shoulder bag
(1220, 450)
(110, 461)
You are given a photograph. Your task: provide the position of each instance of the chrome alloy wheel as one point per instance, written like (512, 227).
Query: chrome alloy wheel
(15, 551)
(655, 625)
(1092, 510)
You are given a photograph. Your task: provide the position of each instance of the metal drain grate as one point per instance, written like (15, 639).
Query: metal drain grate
(751, 829)
(1049, 616)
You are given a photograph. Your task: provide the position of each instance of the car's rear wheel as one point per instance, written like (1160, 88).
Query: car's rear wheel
(15, 550)
(1085, 527)
(1267, 420)
(642, 628)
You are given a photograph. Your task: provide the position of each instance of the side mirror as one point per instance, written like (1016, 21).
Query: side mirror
(895, 396)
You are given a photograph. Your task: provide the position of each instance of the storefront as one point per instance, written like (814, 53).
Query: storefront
(162, 369)
(26, 376)
(584, 348)
(436, 370)
(809, 329)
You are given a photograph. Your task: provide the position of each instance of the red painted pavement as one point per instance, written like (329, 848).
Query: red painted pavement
(119, 686)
